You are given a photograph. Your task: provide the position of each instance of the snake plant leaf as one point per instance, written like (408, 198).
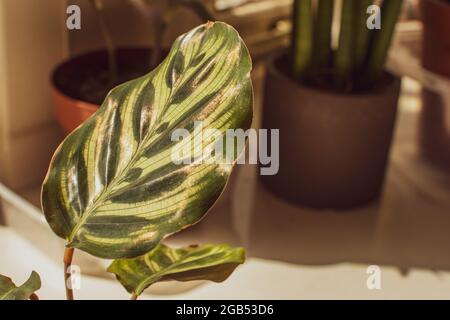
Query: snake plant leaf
(113, 189)
(9, 291)
(205, 262)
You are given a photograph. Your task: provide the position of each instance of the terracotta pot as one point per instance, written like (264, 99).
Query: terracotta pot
(69, 112)
(71, 108)
(333, 147)
(434, 131)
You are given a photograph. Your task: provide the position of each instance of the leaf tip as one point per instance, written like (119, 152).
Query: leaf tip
(35, 279)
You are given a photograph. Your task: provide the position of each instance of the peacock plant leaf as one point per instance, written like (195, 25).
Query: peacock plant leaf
(205, 262)
(113, 189)
(9, 291)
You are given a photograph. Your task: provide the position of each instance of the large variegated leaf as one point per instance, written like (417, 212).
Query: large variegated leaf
(206, 262)
(112, 188)
(9, 291)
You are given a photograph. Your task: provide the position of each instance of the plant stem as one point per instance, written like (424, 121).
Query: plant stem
(159, 24)
(302, 38)
(362, 34)
(344, 58)
(106, 32)
(134, 296)
(381, 41)
(34, 296)
(323, 34)
(68, 255)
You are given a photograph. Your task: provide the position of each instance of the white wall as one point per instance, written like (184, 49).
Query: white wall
(32, 41)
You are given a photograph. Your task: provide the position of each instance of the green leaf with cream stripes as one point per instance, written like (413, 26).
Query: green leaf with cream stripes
(9, 291)
(206, 262)
(112, 188)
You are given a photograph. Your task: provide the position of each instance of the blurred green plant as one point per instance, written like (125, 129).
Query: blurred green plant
(359, 59)
(157, 13)
(107, 38)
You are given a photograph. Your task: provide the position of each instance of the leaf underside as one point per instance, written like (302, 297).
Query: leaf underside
(205, 262)
(112, 188)
(9, 291)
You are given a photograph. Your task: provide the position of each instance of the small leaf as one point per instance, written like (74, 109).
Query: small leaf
(9, 291)
(113, 189)
(205, 262)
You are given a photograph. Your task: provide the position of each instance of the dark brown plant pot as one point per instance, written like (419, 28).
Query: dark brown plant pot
(333, 147)
(81, 83)
(434, 130)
